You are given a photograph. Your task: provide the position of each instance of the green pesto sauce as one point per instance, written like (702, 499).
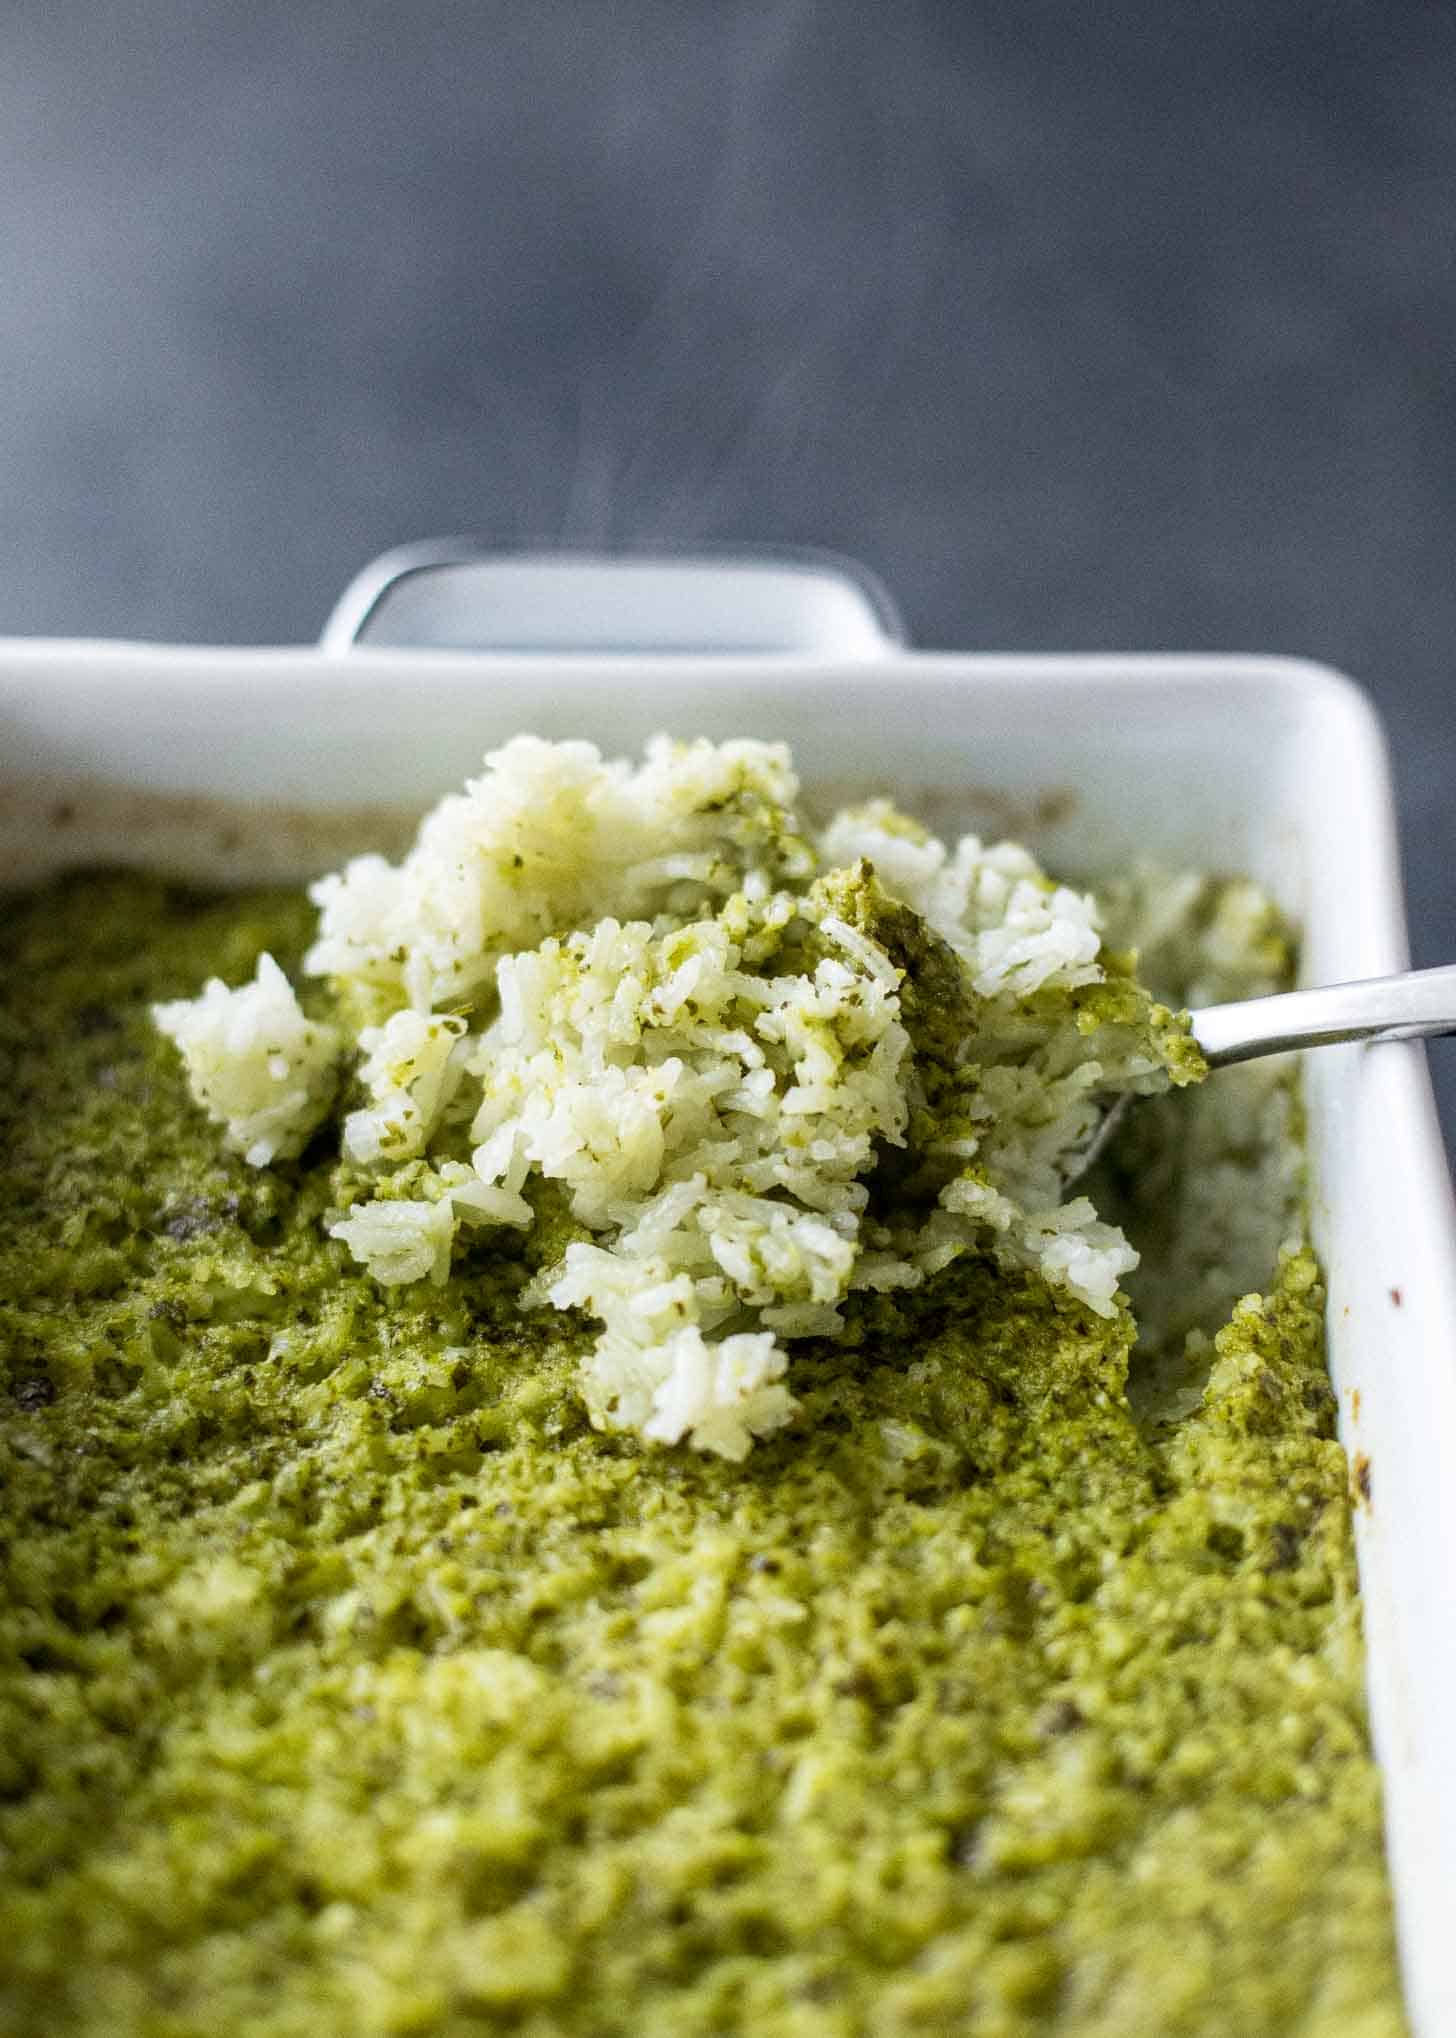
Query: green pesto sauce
(350, 1682)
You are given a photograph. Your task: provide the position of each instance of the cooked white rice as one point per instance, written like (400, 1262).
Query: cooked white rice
(655, 988)
(256, 1064)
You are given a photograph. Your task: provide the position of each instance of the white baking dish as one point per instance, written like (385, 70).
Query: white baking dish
(242, 761)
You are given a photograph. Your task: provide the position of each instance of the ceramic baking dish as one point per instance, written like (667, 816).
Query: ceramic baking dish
(231, 762)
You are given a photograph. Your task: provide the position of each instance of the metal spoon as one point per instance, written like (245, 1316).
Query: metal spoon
(1416, 1005)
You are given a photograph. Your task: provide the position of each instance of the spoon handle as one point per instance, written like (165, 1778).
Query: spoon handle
(1411, 1006)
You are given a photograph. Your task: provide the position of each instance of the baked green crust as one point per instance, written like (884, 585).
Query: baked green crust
(351, 1682)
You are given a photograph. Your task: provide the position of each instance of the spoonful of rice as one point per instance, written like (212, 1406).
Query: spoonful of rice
(1416, 1004)
(723, 1072)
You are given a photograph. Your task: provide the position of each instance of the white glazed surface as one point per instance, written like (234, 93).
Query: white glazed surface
(1266, 766)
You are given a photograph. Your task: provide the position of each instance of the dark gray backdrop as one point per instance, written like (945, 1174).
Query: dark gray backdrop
(1088, 326)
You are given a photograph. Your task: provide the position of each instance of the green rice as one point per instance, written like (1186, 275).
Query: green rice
(359, 1673)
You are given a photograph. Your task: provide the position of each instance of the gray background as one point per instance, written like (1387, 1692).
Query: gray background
(1087, 326)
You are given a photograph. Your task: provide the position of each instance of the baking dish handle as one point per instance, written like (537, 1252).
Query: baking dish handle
(468, 594)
